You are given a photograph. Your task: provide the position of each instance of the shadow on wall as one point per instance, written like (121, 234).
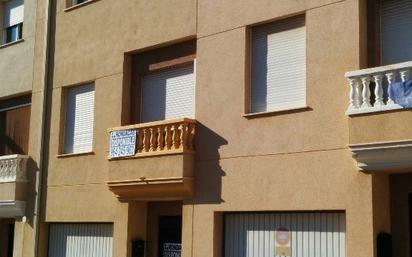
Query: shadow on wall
(208, 172)
(32, 169)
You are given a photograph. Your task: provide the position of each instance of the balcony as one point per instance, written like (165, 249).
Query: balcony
(13, 185)
(369, 88)
(152, 160)
(379, 137)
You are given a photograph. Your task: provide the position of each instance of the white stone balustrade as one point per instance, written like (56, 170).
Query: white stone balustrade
(361, 99)
(13, 168)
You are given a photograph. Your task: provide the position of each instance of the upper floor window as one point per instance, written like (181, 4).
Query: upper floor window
(79, 119)
(14, 125)
(164, 83)
(13, 14)
(396, 28)
(389, 31)
(278, 66)
(70, 3)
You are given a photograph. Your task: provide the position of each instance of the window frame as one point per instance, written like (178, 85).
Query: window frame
(63, 120)
(153, 61)
(70, 5)
(4, 30)
(248, 70)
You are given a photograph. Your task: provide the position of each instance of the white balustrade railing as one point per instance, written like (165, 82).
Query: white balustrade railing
(13, 168)
(369, 88)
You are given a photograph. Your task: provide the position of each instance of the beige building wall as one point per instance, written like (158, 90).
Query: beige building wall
(289, 161)
(16, 60)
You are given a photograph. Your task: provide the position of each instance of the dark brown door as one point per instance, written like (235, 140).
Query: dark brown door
(170, 236)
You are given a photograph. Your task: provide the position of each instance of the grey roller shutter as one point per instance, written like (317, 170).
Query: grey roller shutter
(79, 119)
(168, 94)
(396, 29)
(80, 240)
(313, 234)
(279, 65)
(13, 13)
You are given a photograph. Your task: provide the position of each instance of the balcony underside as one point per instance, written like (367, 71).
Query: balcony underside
(12, 209)
(385, 157)
(153, 189)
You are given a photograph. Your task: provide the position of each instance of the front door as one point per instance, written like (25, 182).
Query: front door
(170, 236)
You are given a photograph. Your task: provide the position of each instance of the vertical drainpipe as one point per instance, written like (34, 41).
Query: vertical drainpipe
(42, 139)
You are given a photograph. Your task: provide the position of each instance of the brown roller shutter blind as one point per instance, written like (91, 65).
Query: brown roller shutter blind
(14, 130)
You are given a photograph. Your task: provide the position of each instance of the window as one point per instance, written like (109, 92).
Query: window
(396, 29)
(278, 66)
(13, 21)
(285, 234)
(163, 86)
(79, 119)
(92, 240)
(75, 2)
(14, 125)
(168, 94)
(389, 32)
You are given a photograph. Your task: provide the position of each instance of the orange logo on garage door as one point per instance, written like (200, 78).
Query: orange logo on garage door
(282, 236)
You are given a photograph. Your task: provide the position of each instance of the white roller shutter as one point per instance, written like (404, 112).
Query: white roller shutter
(279, 65)
(396, 29)
(168, 94)
(79, 119)
(13, 13)
(80, 240)
(313, 234)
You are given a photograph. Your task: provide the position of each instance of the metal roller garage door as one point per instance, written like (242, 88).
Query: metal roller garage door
(80, 240)
(315, 234)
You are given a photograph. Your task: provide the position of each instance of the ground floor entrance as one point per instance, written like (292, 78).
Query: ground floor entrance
(164, 229)
(401, 214)
(6, 237)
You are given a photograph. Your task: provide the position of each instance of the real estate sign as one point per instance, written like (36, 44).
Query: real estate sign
(122, 143)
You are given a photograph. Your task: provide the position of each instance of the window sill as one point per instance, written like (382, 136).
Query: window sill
(68, 9)
(67, 155)
(11, 43)
(276, 112)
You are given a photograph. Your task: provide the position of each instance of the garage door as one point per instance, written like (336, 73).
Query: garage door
(312, 234)
(80, 240)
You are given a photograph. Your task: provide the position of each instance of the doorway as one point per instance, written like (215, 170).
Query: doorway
(164, 229)
(170, 236)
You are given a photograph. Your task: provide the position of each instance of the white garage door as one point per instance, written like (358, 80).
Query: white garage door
(312, 234)
(80, 240)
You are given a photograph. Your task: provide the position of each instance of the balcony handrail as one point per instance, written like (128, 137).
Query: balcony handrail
(152, 124)
(379, 69)
(159, 138)
(360, 98)
(13, 168)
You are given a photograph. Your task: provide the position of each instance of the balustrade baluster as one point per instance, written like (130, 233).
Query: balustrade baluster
(176, 136)
(353, 97)
(146, 140)
(404, 75)
(378, 90)
(191, 133)
(139, 140)
(168, 137)
(391, 78)
(185, 128)
(366, 94)
(153, 139)
(160, 138)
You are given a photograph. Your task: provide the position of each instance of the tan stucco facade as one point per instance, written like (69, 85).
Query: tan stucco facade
(293, 161)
